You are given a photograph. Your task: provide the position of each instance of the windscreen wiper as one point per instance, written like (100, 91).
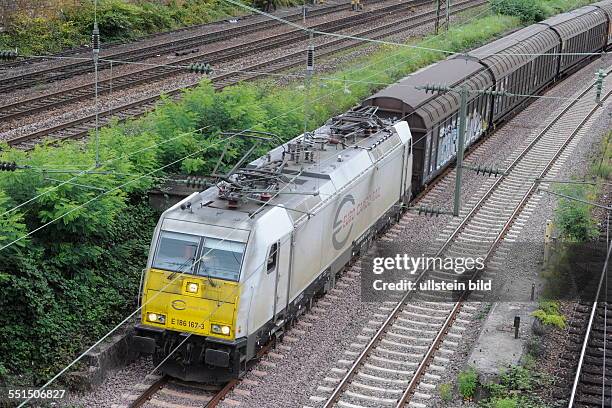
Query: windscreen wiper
(212, 282)
(180, 269)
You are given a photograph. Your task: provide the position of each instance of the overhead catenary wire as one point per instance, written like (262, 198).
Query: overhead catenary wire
(298, 76)
(348, 37)
(240, 285)
(157, 144)
(141, 306)
(133, 313)
(91, 168)
(383, 42)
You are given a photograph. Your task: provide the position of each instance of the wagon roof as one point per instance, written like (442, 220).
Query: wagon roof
(605, 5)
(404, 98)
(575, 22)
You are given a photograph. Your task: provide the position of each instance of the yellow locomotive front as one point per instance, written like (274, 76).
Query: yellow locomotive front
(190, 296)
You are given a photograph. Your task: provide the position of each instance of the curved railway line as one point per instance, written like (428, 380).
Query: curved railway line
(78, 128)
(398, 365)
(250, 25)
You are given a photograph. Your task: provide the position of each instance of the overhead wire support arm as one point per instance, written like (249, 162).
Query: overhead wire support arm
(464, 93)
(580, 200)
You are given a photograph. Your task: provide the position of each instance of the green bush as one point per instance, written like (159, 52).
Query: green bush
(467, 382)
(506, 403)
(527, 10)
(117, 20)
(517, 388)
(574, 218)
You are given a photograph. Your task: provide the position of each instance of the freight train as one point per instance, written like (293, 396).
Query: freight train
(230, 268)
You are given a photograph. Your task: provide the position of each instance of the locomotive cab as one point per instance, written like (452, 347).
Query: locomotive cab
(205, 263)
(191, 293)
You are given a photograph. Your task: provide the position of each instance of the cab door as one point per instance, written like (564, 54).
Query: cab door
(278, 264)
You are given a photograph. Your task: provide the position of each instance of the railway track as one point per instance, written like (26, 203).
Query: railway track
(400, 362)
(165, 391)
(78, 128)
(591, 385)
(150, 74)
(244, 27)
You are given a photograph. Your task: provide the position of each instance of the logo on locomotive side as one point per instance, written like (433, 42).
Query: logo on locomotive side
(348, 211)
(179, 304)
(339, 222)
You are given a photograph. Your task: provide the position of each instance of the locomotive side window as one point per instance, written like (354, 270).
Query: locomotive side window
(176, 252)
(272, 257)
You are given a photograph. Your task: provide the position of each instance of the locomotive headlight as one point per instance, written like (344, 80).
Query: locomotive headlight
(217, 328)
(192, 287)
(156, 318)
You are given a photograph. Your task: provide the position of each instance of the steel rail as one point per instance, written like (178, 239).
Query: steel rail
(221, 394)
(223, 80)
(510, 221)
(148, 51)
(83, 67)
(149, 392)
(587, 337)
(128, 80)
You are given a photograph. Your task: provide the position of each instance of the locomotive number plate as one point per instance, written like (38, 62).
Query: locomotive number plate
(186, 323)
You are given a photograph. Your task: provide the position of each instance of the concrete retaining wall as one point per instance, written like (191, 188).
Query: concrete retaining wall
(112, 354)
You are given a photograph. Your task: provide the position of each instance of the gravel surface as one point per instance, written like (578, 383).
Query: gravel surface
(117, 384)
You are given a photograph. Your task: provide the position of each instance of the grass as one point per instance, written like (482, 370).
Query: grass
(517, 387)
(446, 391)
(602, 163)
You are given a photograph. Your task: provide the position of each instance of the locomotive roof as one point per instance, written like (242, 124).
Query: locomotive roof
(303, 185)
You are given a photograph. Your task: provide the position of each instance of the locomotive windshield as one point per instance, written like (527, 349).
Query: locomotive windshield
(176, 252)
(221, 259)
(204, 256)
